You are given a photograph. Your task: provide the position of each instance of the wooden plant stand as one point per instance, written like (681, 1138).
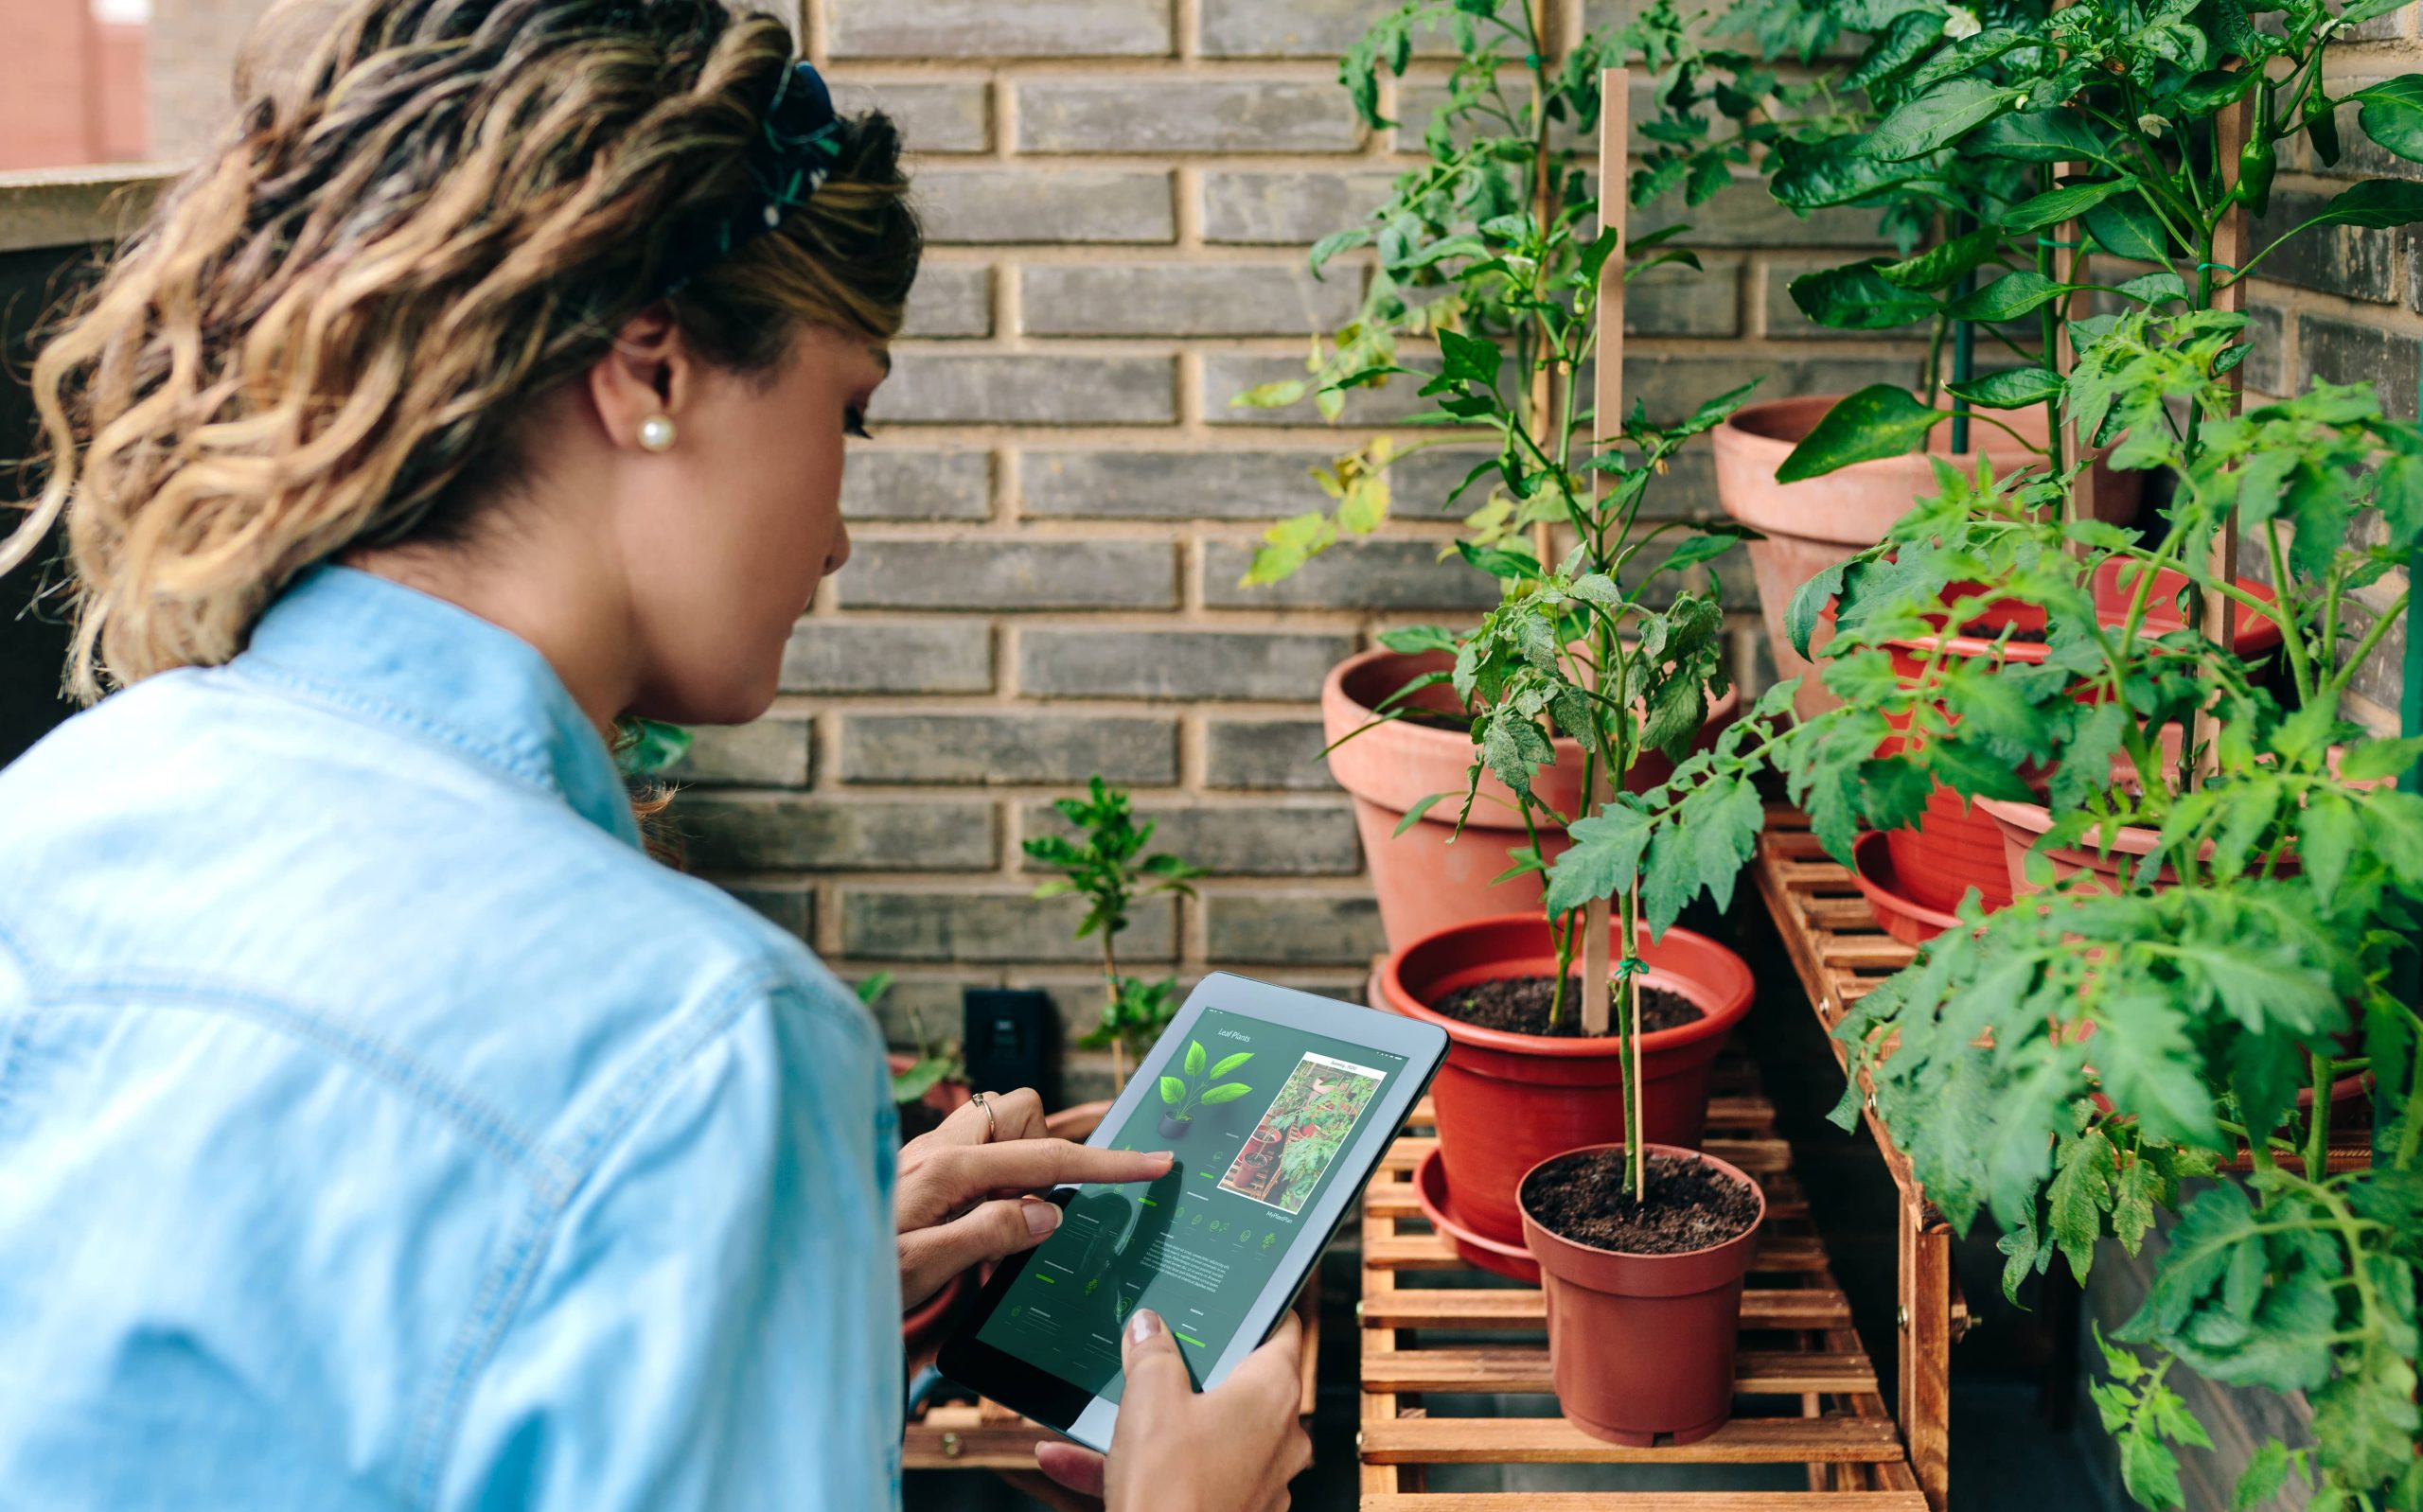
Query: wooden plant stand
(1800, 1362)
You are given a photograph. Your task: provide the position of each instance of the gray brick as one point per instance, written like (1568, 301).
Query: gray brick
(1298, 28)
(2264, 371)
(772, 752)
(798, 834)
(2383, 675)
(791, 906)
(1184, 115)
(950, 299)
(1176, 485)
(983, 748)
(1679, 300)
(1417, 102)
(1281, 28)
(954, 117)
(889, 656)
(1371, 574)
(2351, 352)
(993, 206)
(995, 573)
(1785, 321)
(880, 924)
(1307, 929)
(884, 483)
(1298, 839)
(2352, 260)
(1176, 664)
(1265, 754)
(1260, 208)
(1016, 388)
(1176, 299)
(990, 29)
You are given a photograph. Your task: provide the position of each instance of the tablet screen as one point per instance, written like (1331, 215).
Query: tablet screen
(1258, 1113)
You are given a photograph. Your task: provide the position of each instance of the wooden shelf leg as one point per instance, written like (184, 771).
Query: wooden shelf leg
(1925, 1319)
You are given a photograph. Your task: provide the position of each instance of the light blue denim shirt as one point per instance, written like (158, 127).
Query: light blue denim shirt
(381, 1128)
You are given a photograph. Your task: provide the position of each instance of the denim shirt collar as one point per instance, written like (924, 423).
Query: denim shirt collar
(387, 653)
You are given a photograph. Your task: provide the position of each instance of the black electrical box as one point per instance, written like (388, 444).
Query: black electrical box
(1011, 1041)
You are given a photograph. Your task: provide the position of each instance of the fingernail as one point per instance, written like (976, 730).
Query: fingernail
(1165, 1156)
(1141, 1327)
(1041, 1218)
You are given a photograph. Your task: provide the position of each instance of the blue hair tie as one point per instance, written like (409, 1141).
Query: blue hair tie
(795, 151)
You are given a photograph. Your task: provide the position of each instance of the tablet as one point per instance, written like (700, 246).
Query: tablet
(1278, 1105)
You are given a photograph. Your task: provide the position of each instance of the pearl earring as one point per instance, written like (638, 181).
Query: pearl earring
(656, 432)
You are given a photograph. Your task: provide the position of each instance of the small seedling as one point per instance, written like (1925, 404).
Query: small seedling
(1106, 866)
(938, 1059)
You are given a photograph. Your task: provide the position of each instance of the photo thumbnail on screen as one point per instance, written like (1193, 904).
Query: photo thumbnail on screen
(1302, 1132)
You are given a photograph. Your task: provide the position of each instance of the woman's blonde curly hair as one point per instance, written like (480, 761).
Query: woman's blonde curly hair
(429, 213)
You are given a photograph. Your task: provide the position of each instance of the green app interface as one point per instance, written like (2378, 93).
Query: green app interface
(1258, 1113)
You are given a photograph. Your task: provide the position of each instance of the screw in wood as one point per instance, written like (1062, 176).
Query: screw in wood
(950, 1445)
(1901, 1317)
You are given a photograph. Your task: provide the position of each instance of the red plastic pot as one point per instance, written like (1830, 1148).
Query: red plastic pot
(1642, 1345)
(1473, 1247)
(1957, 846)
(1901, 917)
(1507, 1102)
(1810, 525)
(1426, 883)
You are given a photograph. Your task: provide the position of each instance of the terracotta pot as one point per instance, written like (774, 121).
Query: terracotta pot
(2023, 826)
(1425, 883)
(1076, 1122)
(1905, 919)
(1957, 846)
(1812, 524)
(923, 1326)
(1505, 1101)
(1642, 1345)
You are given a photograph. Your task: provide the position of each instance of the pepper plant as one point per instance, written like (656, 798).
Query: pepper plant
(2020, 119)
(2070, 1063)
(1107, 865)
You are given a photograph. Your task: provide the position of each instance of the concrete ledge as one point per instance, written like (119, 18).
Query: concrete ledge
(74, 207)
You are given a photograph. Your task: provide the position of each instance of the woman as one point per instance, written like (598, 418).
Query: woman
(378, 1126)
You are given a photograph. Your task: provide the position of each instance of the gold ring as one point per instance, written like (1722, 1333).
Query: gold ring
(992, 1125)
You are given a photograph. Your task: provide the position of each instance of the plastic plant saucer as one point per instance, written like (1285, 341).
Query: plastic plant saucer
(1430, 1189)
(1909, 921)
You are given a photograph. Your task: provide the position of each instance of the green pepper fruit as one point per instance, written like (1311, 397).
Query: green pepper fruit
(2322, 126)
(2260, 156)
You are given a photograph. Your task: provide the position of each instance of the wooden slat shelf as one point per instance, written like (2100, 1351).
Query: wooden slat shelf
(1808, 1392)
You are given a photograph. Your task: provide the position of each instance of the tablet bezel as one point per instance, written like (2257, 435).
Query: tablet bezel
(1080, 1415)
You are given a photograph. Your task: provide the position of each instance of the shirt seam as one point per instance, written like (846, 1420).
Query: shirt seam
(498, 1302)
(486, 1126)
(525, 760)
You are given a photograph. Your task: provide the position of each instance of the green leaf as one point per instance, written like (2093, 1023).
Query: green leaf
(1697, 550)
(1604, 859)
(1335, 242)
(2037, 136)
(1469, 359)
(1878, 421)
(1413, 815)
(1831, 172)
(913, 1083)
(2391, 114)
(2266, 1473)
(1230, 1062)
(1911, 33)
(1808, 604)
(2017, 294)
(2149, 1068)
(1196, 1059)
(2086, 1167)
(1857, 298)
(2372, 760)
(2381, 203)
(1172, 1091)
(2056, 205)
(1937, 118)
(2013, 388)
(1941, 264)
(1226, 1092)
(2127, 228)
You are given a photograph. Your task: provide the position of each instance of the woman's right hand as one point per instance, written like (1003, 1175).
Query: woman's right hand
(1232, 1449)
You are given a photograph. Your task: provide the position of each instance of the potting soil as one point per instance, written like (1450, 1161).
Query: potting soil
(1691, 1204)
(1519, 1005)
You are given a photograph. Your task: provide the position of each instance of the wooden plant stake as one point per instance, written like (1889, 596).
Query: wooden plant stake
(2229, 245)
(1615, 129)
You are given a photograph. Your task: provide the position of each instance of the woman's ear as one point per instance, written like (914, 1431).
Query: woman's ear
(647, 373)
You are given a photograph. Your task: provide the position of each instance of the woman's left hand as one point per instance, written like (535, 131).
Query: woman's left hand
(962, 1197)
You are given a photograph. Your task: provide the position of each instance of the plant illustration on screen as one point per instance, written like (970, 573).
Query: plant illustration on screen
(1199, 1086)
